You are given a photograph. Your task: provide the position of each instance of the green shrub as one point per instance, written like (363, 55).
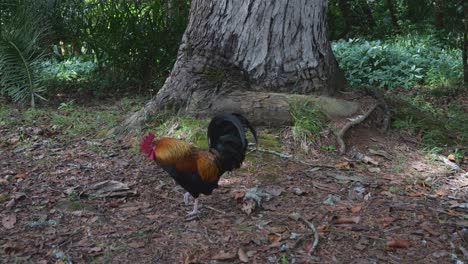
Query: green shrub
(72, 69)
(398, 62)
(133, 41)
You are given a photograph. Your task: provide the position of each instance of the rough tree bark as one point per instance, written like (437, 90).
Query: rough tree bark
(232, 50)
(465, 45)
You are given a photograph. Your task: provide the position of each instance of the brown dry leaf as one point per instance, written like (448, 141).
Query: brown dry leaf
(323, 228)
(11, 203)
(21, 176)
(242, 256)
(248, 206)
(356, 209)
(346, 220)
(3, 181)
(307, 245)
(388, 220)
(274, 238)
(345, 164)
(224, 256)
(452, 157)
(239, 195)
(415, 194)
(441, 192)
(153, 216)
(426, 226)
(95, 250)
(12, 247)
(137, 244)
(453, 212)
(277, 229)
(9, 221)
(59, 261)
(398, 244)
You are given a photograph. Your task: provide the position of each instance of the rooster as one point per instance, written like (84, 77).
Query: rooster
(196, 170)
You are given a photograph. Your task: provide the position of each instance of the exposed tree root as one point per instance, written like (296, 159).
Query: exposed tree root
(357, 120)
(269, 151)
(289, 156)
(384, 106)
(297, 216)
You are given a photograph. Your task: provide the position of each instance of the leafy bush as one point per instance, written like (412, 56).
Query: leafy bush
(133, 41)
(72, 69)
(399, 62)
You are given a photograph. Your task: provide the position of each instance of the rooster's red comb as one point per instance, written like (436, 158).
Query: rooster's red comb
(147, 144)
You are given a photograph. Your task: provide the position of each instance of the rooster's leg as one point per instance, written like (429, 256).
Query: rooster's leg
(195, 208)
(187, 198)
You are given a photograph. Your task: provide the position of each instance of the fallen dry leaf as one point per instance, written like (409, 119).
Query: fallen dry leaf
(153, 216)
(21, 176)
(59, 261)
(274, 238)
(11, 203)
(12, 247)
(398, 244)
(342, 165)
(239, 195)
(9, 221)
(3, 181)
(242, 256)
(415, 194)
(388, 220)
(137, 244)
(452, 157)
(426, 226)
(95, 250)
(248, 206)
(356, 209)
(346, 220)
(441, 192)
(224, 256)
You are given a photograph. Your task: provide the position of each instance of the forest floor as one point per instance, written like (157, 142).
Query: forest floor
(69, 197)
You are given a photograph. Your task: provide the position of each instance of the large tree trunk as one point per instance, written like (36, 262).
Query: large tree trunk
(250, 45)
(465, 45)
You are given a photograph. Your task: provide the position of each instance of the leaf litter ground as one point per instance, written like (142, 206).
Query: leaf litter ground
(403, 207)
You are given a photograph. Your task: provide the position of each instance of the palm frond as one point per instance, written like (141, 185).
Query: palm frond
(20, 56)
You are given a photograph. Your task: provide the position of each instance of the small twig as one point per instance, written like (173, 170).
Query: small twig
(213, 209)
(296, 216)
(348, 125)
(289, 156)
(281, 155)
(168, 198)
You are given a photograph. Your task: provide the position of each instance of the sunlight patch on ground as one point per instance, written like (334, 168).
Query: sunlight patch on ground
(231, 179)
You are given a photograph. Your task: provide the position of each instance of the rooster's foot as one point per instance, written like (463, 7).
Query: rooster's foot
(187, 198)
(195, 209)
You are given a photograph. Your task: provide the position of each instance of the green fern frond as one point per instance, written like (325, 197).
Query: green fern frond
(20, 56)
